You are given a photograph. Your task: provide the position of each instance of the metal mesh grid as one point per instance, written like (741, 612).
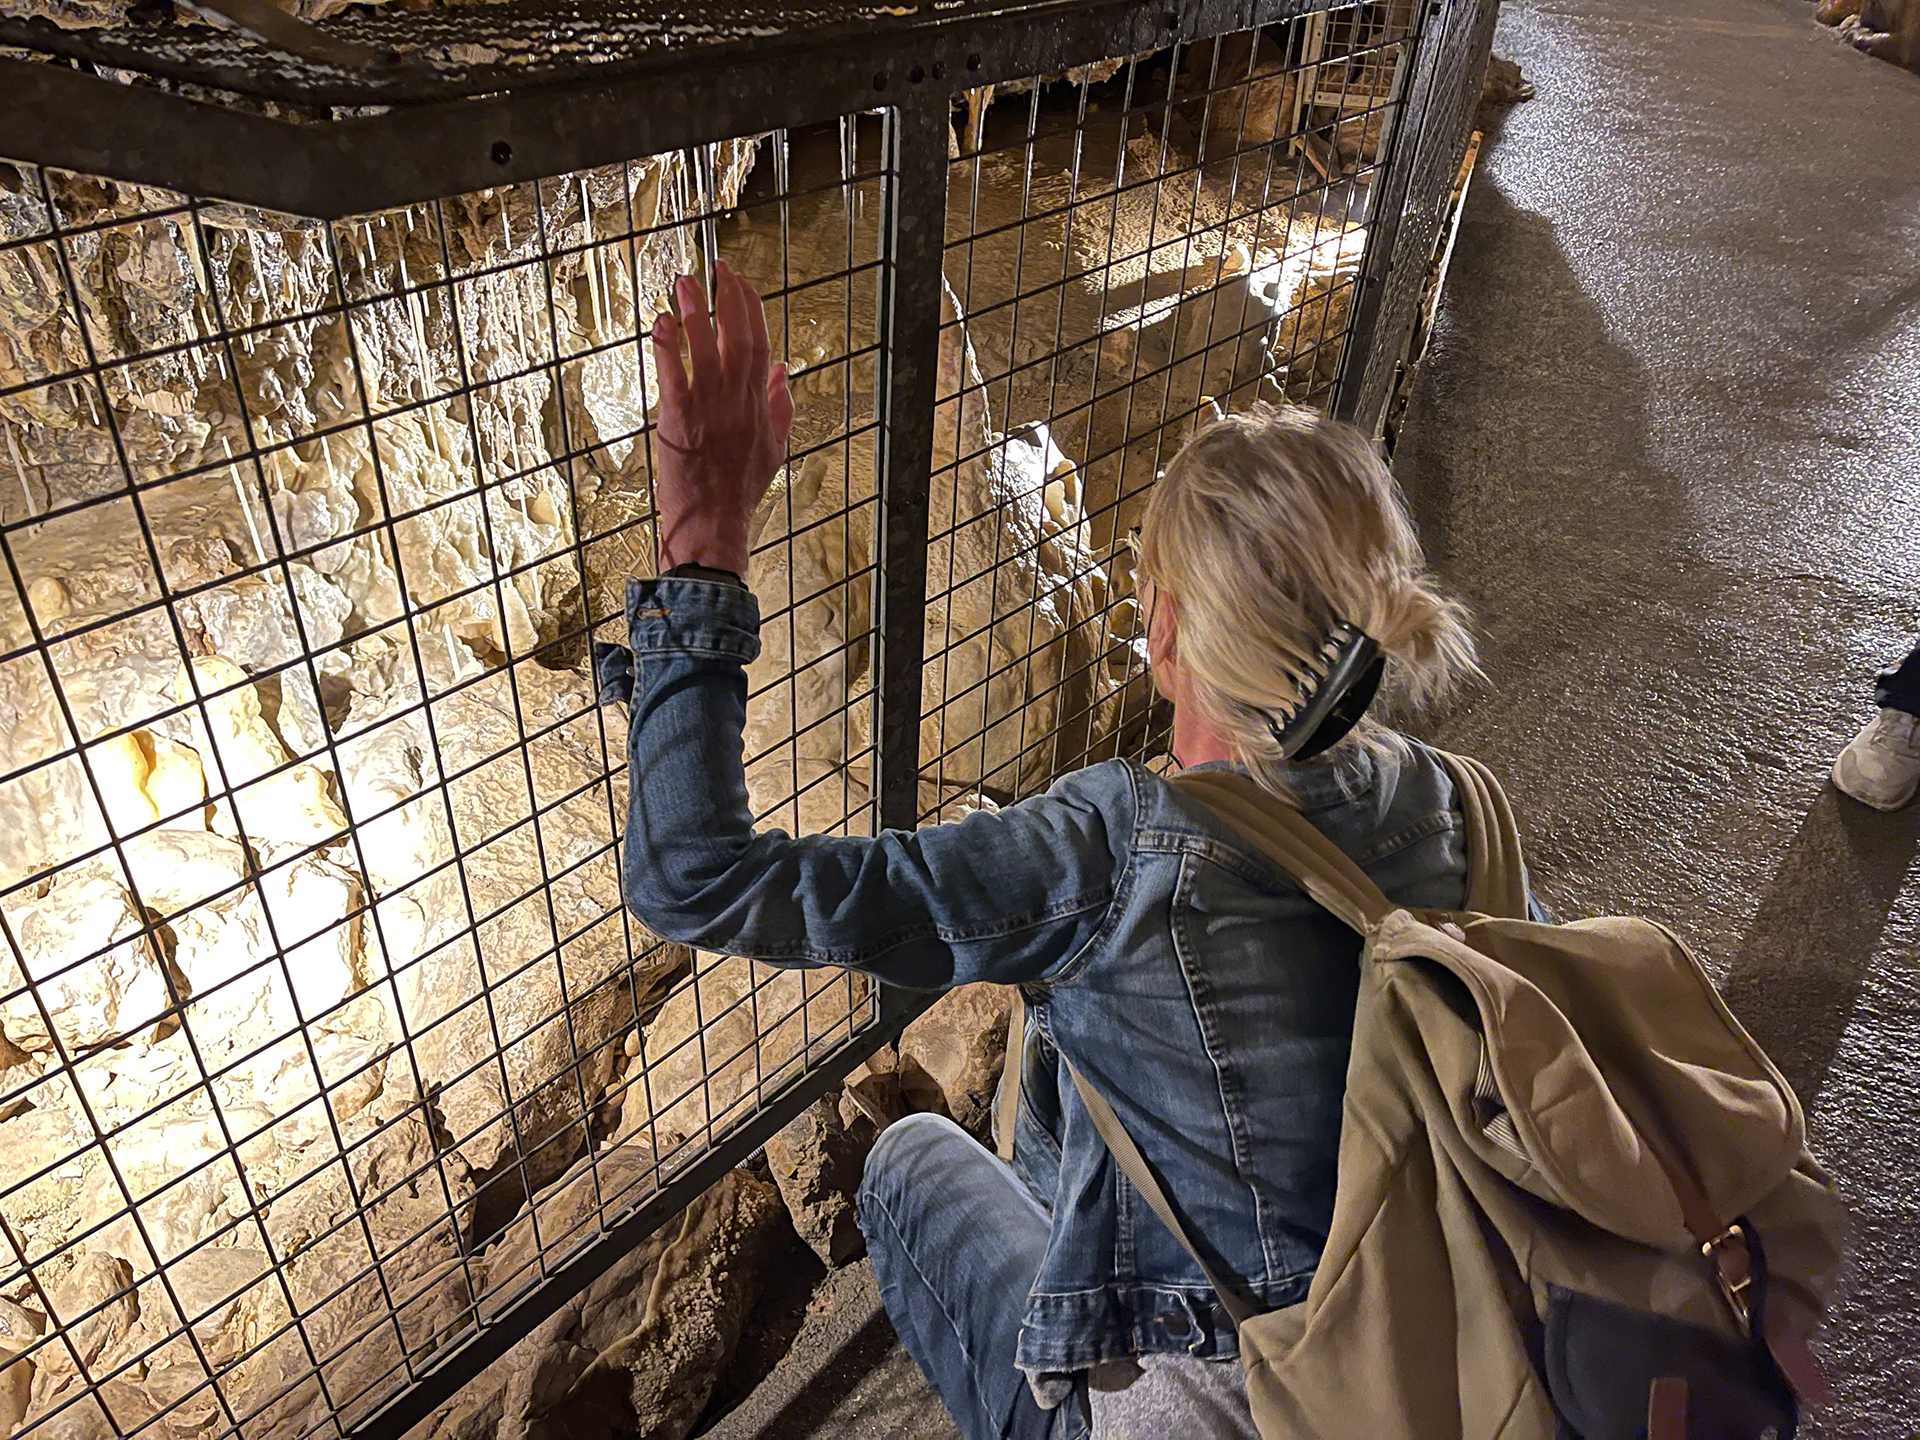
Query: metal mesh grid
(316, 966)
(1145, 244)
(327, 1043)
(1447, 90)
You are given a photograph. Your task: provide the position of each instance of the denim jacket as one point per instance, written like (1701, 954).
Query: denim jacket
(1191, 983)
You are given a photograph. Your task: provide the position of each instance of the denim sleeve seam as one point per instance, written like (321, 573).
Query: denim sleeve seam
(809, 955)
(1413, 834)
(709, 651)
(1075, 964)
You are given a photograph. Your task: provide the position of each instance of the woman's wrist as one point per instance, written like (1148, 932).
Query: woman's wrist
(712, 547)
(690, 571)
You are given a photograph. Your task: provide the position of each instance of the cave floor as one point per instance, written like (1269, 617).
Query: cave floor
(1667, 444)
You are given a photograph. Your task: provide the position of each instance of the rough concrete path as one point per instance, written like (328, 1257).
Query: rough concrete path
(1668, 445)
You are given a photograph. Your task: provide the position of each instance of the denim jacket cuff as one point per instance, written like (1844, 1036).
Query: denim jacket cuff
(678, 616)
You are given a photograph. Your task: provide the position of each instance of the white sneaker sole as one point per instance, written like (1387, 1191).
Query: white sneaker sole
(1873, 802)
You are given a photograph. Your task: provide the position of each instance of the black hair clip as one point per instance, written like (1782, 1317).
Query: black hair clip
(1340, 683)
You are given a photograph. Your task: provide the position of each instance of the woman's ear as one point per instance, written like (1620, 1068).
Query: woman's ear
(1163, 627)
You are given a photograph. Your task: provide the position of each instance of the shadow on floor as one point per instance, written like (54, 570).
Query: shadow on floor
(1528, 472)
(872, 1350)
(1805, 958)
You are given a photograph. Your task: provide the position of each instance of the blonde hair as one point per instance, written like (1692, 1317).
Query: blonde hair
(1270, 527)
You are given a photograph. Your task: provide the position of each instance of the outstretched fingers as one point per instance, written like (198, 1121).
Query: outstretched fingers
(671, 376)
(702, 350)
(743, 326)
(780, 405)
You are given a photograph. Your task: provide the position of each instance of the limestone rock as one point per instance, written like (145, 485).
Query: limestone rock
(114, 677)
(707, 1282)
(176, 780)
(951, 1056)
(641, 1349)
(1242, 90)
(387, 1236)
(175, 870)
(55, 1171)
(83, 945)
(737, 1031)
(817, 1162)
(20, 1070)
(1320, 285)
(16, 1390)
(274, 803)
(19, 1329)
(120, 769)
(376, 1226)
(542, 877)
(1019, 681)
(84, 1416)
(253, 624)
(96, 1306)
(146, 778)
(258, 961)
(1505, 85)
(252, 935)
(872, 1090)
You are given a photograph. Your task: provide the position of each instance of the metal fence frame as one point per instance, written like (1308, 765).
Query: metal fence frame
(59, 115)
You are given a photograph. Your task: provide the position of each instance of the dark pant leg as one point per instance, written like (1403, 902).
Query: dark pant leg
(1899, 688)
(956, 1241)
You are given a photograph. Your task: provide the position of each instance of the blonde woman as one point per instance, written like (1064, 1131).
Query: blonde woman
(1200, 991)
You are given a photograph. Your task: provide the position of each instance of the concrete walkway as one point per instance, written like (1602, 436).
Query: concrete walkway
(1668, 445)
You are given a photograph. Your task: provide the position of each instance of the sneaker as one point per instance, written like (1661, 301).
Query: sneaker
(1881, 765)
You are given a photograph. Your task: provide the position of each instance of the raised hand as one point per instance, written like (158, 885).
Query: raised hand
(724, 418)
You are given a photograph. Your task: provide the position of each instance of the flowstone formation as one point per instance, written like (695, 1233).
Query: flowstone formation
(313, 911)
(322, 1027)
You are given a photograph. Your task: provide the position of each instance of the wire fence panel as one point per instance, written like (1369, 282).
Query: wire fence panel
(330, 1060)
(1133, 246)
(318, 967)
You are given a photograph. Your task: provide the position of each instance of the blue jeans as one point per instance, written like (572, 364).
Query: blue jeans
(956, 1241)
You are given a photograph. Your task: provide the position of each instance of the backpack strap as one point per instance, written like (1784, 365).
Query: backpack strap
(1285, 837)
(1667, 1409)
(1013, 1074)
(1119, 1144)
(1134, 1166)
(1305, 856)
(1733, 1250)
(1496, 874)
(1496, 886)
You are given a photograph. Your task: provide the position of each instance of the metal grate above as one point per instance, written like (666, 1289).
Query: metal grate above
(460, 51)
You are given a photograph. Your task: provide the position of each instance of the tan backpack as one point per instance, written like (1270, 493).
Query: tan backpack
(1572, 1190)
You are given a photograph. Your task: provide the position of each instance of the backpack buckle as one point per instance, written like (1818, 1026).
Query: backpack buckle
(1732, 1259)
